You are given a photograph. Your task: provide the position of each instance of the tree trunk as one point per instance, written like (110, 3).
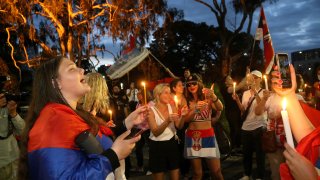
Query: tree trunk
(69, 46)
(62, 44)
(250, 23)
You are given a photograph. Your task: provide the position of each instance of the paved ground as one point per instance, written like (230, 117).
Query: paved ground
(231, 168)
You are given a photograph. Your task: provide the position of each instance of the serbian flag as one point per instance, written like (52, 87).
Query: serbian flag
(263, 33)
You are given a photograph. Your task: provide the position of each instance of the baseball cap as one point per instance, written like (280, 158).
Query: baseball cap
(193, 78)
(257, 73)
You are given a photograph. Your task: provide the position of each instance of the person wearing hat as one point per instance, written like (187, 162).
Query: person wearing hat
(200, 141)
(252, 126)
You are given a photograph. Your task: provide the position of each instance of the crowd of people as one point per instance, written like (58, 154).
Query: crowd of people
(77, 129)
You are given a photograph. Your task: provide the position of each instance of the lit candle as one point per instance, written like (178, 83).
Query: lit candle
(121, 85)
(234, 87)
(175, 98)
(286, 124)
(266, 82)
(110, 112)
(305, 87)
(144, 91)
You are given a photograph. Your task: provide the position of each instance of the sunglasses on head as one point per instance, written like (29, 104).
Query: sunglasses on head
(192, 83)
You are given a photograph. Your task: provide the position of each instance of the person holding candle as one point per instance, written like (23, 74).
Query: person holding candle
(56, 129)
(177, 88)
(232, 111)
(163, 143)
(200, 141)
(252, 126)
(96, 101)
(303, 161)
(132, 96)
(145, 134)
(271, 103)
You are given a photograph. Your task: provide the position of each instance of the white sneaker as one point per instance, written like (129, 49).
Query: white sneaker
(245, 178)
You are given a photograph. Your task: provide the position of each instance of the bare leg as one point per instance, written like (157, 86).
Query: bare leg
(174, 174)
(197, 168)
(158, 176)
(215, 168)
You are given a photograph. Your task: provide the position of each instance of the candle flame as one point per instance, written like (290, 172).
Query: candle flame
(143, 83)
(109, 111)
(175, 98)
(284, 104)
(234, 84)
(265, 77)
(305, 85)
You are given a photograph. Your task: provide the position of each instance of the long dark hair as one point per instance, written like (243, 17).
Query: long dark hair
(173, 84)
(45, 89)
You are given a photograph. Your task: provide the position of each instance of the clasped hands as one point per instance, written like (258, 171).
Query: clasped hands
(11, 105)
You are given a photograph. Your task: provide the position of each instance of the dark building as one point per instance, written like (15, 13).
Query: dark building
(305, 63)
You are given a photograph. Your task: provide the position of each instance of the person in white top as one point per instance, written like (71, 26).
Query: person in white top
(252, 127)
(163, 147)
(132, 96)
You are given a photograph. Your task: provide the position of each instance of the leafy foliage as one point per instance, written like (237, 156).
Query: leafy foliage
(185, 44)
(75, 27)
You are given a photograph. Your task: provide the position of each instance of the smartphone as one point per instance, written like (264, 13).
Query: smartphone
(134, 133)
(283, 63)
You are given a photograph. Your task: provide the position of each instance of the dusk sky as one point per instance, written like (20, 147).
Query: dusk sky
(294, 25)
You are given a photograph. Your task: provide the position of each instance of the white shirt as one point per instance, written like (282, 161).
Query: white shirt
(133, 95)
(252, 121)
(9, 150)
(170, 130)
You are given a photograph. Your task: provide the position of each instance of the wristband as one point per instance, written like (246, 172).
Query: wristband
(196, 111)
(214, 101)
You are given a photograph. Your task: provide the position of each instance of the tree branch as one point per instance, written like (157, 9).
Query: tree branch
(243, 20)
(91, 18)
(210, 7)
(52, 18)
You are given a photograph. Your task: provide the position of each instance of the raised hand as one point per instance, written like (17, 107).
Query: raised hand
(137, 117)
(277, 82)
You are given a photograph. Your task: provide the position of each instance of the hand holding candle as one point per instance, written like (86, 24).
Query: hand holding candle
(266, 82)
(144, 92)
(286, 124)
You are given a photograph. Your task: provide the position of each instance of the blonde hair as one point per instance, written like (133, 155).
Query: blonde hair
(97, 98)
(158, 90)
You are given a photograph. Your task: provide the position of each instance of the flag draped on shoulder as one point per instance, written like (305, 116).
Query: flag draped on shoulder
(263, 33)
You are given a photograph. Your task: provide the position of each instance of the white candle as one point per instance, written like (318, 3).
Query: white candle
(266, 82)
(110, 112)
(175, 98)
(144, 91)
(234, 87)
(285, 119)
